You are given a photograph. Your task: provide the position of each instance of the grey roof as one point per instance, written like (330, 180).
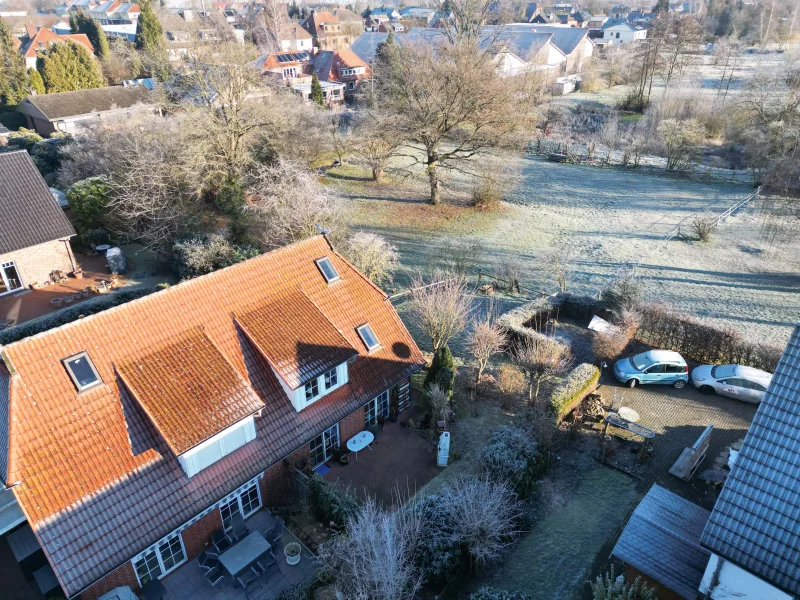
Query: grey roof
(756, 521)
(84, 102)
(565, 39)
(525, 44)
(662, 540)
(366, 46)
(615, 22)
(29, 215)
(323, 61)
(531, 8)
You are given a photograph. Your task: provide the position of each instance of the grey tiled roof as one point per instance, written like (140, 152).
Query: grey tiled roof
(756, 521)
(565, 39)
(366, 45)
(29, 215)
(662, 540)
(84, 102)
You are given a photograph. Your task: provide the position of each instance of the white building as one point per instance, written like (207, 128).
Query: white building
(622, 32)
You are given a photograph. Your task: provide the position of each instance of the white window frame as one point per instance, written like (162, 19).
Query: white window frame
(360, 329)
(3, 267)
(372, 408)
(325, 259)
(154, 548)
(309, 387)
(237, 495)
(76, 383)
(323, 435)
(325, 378)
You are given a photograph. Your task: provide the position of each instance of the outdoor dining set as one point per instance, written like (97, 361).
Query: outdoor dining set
(241, 555)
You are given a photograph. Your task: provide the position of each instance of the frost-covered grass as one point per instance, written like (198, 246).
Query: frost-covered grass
(615, 219)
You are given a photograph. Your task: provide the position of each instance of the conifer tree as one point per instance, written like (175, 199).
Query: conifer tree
(13, 78)
(316, 91)
(35, 81)
(66, 67)
(80, 22)
(149, 33)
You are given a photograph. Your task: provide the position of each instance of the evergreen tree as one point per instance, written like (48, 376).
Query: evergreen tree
(316, 91)
(661, 7)
(385, 51)
(68, 66)
(35, 81)
(149, 33)
(13, 78)
(90, 26)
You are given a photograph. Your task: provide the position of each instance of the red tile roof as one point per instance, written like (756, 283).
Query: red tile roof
(299, 342)
(189, 390)
(95, 479)
(44, 37)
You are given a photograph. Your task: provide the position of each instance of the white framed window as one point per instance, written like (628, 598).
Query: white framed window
(331, 379)
(378, 406)
(327, 269)
(213, 449)
(322, 447)
(81, 370)
(160, 559)
(244, 501)
(312, 389)
(368, 336)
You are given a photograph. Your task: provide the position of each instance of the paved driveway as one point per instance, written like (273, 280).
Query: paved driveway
(679, 417)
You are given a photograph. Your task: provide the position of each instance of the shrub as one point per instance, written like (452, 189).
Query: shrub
(88, 201)
(296, 592)
(626, 293)
(442, 359)
(487, 192)
(608, 345)
(569, 393)
(230, 198)
(511, 380)
(513, 457)
(373, 256)
(201, 255)
(607, 587)
(438, 401)
(46, 154)
(439, 558)
(329, 503)
(23, 139)
(703, 226)
(487, 593)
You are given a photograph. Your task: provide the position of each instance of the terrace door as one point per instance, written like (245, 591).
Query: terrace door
(10, 280)
(323, 445)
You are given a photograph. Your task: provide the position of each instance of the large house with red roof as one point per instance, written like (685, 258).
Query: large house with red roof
(40, 39)
(129, 436)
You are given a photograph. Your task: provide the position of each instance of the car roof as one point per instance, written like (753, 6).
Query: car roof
(665, 356)
(752, 374)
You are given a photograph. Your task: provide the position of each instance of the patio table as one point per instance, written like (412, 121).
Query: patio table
(238, 558)
(359, 441)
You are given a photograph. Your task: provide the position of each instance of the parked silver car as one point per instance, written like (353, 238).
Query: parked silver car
(742, 383)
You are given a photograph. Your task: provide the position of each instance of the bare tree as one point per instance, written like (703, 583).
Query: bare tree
(558, 262)
(449, 104)
(543, 358)
(487, 340)
(680, 139)
(463, 20)
(288, 204)
(373, 559)
(376, 143)
(373, 256)
(441, 306)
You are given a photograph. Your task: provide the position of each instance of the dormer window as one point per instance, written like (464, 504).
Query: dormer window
(327, 269)
(82, 371)
(330, 379)
(312, 390)
(368, 336)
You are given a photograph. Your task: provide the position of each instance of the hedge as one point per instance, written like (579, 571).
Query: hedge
(580, 382)
(664, 327)
(72, 313)
(329, 503)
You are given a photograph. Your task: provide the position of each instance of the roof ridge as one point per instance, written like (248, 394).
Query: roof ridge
(182, 285)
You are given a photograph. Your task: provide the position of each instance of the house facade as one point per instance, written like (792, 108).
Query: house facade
(35, 234)
(328, 32)
(186, 407)
(622, 32)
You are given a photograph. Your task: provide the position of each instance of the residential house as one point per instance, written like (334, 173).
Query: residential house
(532, 10)
(421, 14)
(35, 233)
(39, 40)
(622, 32)
(327, 31)
(385, 12)
(71, 112)
(541, 19)
(114, 10)
(342, 66)
(517, 52)
(597, 21)
(295, 39)
(285, 66)
(131, 435)
(187, 30)
(394, 26)
(333, 92)
(748, 546)
(573, 42)
(349, 20)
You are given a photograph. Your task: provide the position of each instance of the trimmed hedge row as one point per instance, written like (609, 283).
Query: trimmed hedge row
(580, 382)
(72, 313)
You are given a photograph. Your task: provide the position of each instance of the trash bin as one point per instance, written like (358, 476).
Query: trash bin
(116, 261)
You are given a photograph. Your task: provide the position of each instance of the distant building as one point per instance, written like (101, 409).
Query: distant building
(295, 39)
(42, 38)
(328, 32)
(622, 32)
(342, 66)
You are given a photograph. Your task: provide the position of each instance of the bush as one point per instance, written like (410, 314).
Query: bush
(626, 293)
(487, 593)
(703, 226)
(442, 359)
(201, 255)
(439, 559)
(373, 256)
(230, 199)
(88, 201)
(581, 381)
(73, 313)
(664, 327)
(513, 457)
(608, 587)
(23, 139)
(608, 345)
(487, 192)
(296, 592)
(329, 503)
(524, 320)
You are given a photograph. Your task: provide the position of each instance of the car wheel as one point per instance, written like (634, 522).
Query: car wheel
(707, 390)
(631, 383)
(679, 384)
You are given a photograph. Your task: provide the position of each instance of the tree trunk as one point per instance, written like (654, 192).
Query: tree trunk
(536, 392)
(434, 179)
(478, 376)
(377, 174)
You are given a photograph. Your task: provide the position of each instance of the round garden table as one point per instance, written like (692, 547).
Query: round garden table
(359, 441)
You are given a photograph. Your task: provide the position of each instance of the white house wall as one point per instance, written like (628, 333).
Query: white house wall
(734, 583)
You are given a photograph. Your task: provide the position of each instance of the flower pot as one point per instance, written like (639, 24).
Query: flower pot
(292, 551)
(78, 274)
(344, 459)
(68, 299)
(56, 302)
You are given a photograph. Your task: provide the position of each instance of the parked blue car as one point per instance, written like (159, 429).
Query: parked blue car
(655, 366)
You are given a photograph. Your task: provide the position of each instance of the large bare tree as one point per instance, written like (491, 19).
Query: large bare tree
(542, 357)
(486, 341)
(441, 307)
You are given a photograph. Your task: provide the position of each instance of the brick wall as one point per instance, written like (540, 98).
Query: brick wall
(197, 536)
(275, 485)
(351, 425)
(123, 575)
(35, 264)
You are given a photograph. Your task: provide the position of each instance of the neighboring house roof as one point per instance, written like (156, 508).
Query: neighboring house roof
(531, 9)
(293, 31)
(618, 23)
(565, 39)
(366, 45)
(382, 10)
(662, 540)
(347, 58)
(29, 213)
(323, 63)
(44, 37)
(347, 16)
(316, 20)
(83, 102)
(756, 520)
(189, 390)
(525, 44)
(96, 480)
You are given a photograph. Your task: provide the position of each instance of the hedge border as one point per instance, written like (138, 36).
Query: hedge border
(563, 401)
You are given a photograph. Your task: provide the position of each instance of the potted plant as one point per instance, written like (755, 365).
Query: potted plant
(78, 272)
(381, 421)
(85, 292)
(56, 302)
(344, 460)
(68, 299)
(292, 551)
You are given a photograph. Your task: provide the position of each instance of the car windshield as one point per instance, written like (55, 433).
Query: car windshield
(640, 362)
(723, 371)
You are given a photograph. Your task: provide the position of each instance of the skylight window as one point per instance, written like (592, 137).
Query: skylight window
(368, 336)
(326, 268)
(82, 371)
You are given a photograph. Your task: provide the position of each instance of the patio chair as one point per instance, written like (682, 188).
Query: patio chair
(265, 562)
(246, 578)
(221, 541)
(276, 531)
(214, 576)
(240, 530)
(207, 560)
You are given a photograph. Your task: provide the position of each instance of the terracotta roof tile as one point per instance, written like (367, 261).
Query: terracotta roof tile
(189, 390)
(96, 480)
(44, 37)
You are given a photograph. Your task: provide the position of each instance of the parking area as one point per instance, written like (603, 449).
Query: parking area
(679, 417)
